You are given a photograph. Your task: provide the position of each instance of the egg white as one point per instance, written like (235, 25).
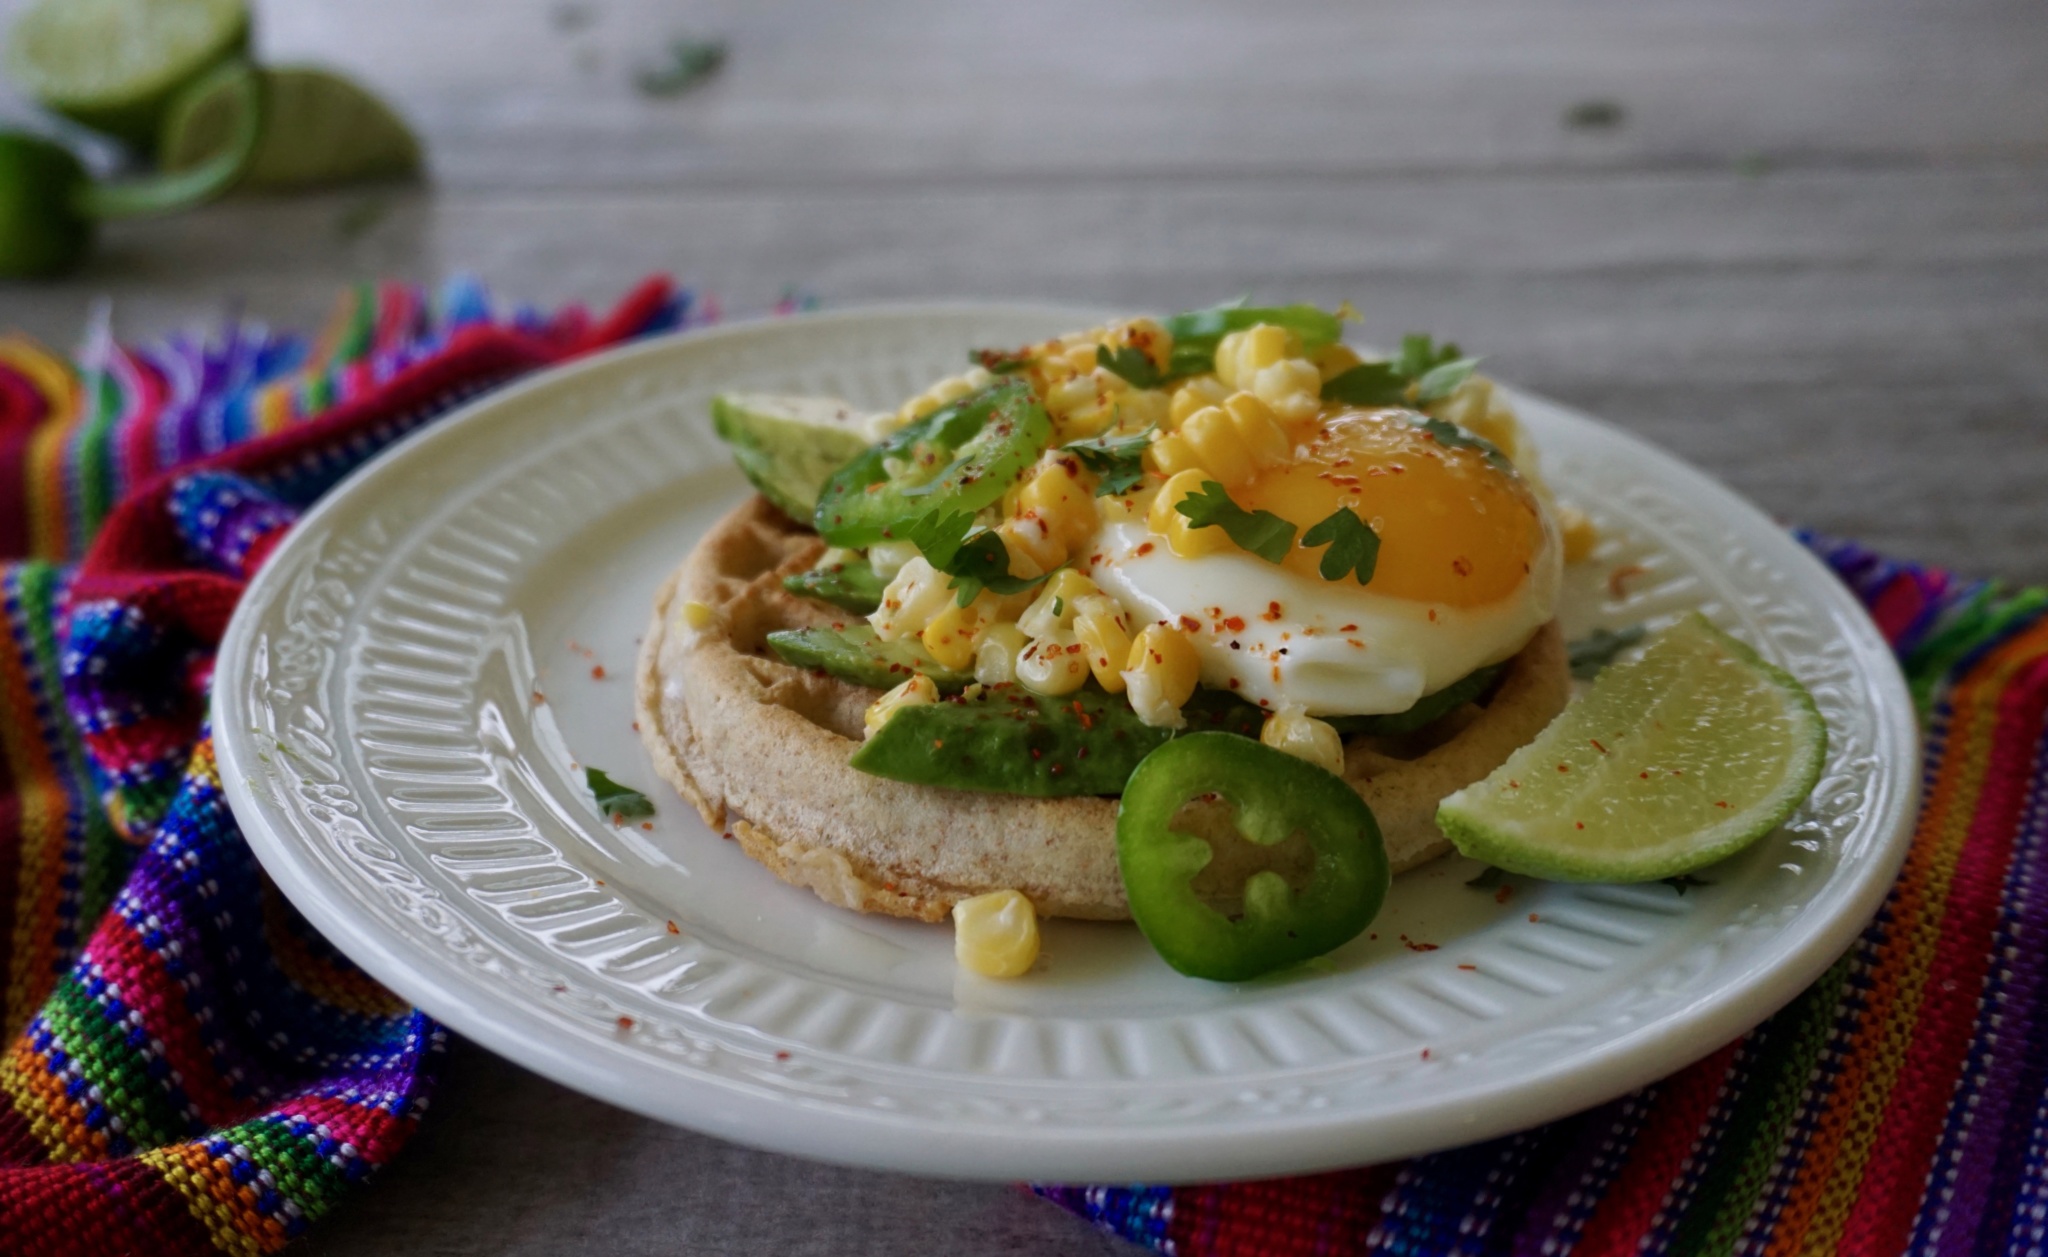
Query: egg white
(1302, 654)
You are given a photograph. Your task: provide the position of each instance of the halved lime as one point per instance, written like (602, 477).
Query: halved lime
(1667, 764)
(115, 64)
(319, 130)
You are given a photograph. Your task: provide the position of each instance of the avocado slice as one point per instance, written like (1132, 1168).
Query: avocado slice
(789, 446)
(855, 654)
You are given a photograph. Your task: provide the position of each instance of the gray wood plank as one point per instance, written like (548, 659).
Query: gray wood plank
(1865, 351)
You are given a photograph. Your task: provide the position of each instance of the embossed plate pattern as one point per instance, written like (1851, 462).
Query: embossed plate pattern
(406, 696)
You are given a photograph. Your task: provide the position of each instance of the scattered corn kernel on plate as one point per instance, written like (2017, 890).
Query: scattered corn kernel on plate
(416, 689)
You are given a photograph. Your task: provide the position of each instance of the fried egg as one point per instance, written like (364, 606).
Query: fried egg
(1469, 567)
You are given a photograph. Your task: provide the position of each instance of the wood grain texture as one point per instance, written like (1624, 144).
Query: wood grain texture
(1812, 258)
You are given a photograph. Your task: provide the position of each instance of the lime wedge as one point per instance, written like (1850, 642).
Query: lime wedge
(319, 130)
(115, 64)
(1667, 764)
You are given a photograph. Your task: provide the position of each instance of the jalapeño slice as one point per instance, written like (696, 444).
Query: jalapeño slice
(960, 458)
(1275, 797)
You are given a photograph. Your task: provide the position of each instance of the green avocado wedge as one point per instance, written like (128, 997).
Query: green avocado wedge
(1007, 740)
(855, 654)
(1428, 709)
(850, 584)
(789, 446)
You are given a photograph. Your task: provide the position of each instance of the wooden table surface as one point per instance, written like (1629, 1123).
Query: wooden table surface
(1811, 256)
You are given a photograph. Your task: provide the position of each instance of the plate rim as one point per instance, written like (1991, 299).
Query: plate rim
(1295, 1142)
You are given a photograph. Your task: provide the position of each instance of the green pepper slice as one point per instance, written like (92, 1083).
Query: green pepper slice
(1275, 796)
(958, 459)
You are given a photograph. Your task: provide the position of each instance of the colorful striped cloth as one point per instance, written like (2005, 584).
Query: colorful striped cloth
(190, 1068)
(1899, 1105)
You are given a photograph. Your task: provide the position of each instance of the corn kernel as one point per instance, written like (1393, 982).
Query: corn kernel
(1203, 390)
(1291, 388)
(916, 594)
(1100, 626)
(1293, 730)
(1033, 549)
(1169, 454)
(918, 691)
(949, 638)
(995, 935)
(1053, 665)
(1239, 355)
(701, 617)
(1580, 534)
(1335, 359)
(1057, 603)
(1183, 538)
(995, 653)
(1160, 675)
(1062, 496)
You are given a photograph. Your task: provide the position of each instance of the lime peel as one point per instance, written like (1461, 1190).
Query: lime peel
(1667, 764)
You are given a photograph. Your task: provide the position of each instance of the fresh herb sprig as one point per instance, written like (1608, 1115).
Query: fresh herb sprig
(1354, 548)
(614, 799)
(1260, 532)
(1422, 373)
(1118, 460)
(975, 563)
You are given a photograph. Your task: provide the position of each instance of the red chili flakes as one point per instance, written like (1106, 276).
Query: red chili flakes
(1469, 968)
(1432, 615)
(1513, 784)
(1190, 623)
(648, 826)
(1272, 613)
(1564, 768)
(1425, 1054)
(1597, 746)
(1413, 945)
(1534, 917)
(1235, 624)
(597, 672)
(618, 822)
(938, 743)
(539, 698)
(636, 726)
(1720, 803)
(625, 1022)
(1144, 548)
(1462, 565)
(672, 928)
(1348, 628)
(1645, 774)
(1579, 824)
(728, 836)
(1618, 579)
(782, 1056)
(1503, 894)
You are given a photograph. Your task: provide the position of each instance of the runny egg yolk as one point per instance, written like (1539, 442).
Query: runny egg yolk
(1454, 528)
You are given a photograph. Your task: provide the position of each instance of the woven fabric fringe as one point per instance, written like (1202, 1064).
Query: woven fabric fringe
(1899, 1105)
(188, 1067)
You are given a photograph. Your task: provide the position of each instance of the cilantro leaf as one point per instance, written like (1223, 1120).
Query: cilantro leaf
(1442, 380)
(1000, 361)
(1452, 437)
(1130, 362)
(975, 563)
(1420, 354)
(1261, 532)
(1368, 384)
(614, 799)
(1597, 649)
(1119, 460)
(1354, 546)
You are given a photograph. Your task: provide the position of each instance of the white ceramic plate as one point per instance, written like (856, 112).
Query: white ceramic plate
(376, 717)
